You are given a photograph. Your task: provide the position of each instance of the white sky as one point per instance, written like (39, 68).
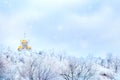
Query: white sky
(79, 27)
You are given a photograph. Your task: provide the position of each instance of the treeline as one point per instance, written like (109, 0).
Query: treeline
(45, 66)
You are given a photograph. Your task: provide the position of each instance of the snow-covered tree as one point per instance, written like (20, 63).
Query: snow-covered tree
(78, 70)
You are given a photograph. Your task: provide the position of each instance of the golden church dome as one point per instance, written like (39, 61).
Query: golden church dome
(20, 47)
(24, 45)
(24, 41)
(28, 47)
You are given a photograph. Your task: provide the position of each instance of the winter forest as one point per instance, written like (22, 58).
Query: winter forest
(60, 39)
(50, 66)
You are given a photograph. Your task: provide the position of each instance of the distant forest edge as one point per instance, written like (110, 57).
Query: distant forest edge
(49, 66)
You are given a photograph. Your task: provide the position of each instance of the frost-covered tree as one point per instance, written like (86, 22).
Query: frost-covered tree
(44, 73)
(78, 70)
(2, 68)
(45, 66)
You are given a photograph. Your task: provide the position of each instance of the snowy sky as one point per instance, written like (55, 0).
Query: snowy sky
(78, 27)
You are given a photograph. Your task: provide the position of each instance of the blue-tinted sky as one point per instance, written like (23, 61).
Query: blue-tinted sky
(78, 27)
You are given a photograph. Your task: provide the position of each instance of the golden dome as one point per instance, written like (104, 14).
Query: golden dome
(24, 45)
(24, 41)
(28, 47)
(20, 47)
